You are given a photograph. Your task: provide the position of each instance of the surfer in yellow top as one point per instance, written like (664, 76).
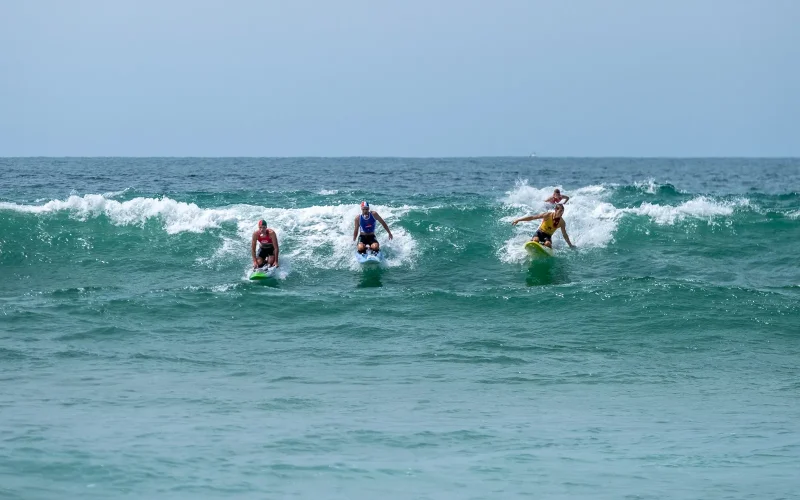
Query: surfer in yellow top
(550, 222)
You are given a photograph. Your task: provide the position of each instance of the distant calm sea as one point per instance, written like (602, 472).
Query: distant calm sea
(659, 359)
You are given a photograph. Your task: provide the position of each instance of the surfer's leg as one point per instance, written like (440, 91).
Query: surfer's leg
(269, 258)
(375, 247)
(264, 254)
(366, 241)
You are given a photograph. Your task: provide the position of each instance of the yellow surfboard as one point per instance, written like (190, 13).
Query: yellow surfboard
(535, 249)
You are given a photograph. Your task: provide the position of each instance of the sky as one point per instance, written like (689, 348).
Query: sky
(418, 78)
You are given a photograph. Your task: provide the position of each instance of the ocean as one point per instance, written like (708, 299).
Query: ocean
(659, 359)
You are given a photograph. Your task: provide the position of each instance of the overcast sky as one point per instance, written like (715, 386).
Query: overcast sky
(400, 78)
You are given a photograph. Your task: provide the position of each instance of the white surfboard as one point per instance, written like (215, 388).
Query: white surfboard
(369, 257)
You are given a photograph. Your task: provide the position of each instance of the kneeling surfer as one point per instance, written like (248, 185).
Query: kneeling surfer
(267, 242)
(551, 221)
(366, 224)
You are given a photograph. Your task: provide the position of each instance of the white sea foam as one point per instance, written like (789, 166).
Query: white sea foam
(223, 288)
(649, 186)
(590, 221)
(322, 236)
(177, 216)
(114, 194)
(228, 248)
(319, 236)
(699, 208)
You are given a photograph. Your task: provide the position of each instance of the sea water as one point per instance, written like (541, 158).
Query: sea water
(660, 358)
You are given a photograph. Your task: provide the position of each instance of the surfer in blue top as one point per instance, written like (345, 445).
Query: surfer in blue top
(366, 224)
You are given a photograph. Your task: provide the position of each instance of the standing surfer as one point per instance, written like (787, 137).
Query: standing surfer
(551, 221)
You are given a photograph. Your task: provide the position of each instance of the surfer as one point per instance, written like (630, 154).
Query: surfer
(366, 223)
(267, 246)
(551, 221)
(557, 197)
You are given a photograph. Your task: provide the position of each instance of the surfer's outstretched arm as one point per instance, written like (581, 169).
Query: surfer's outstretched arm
(355, 231)
(529, 217)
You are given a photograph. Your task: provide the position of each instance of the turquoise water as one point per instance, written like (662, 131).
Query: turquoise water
(659, 359)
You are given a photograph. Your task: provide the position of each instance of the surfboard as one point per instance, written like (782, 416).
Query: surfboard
(535, 249)
(369, 257)
(263, 273)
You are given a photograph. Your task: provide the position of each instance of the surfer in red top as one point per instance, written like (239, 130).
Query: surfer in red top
(267, 246)
(557, 197)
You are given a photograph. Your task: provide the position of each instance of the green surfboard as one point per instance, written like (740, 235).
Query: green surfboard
(262, 274)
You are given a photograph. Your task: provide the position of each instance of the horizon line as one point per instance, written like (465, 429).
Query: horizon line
(419, 157)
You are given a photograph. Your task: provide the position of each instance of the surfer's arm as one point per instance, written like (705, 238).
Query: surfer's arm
(375, 214)
(275, 245)
(355, 231)
(565, 198)
(525, 219)
(253, 248)
(564, 234)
